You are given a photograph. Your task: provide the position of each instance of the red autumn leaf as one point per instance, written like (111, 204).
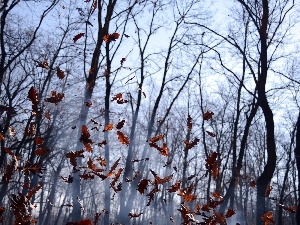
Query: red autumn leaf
(85, 138)
(157, 138)
(208, 115)
(73, 155)
(210, 133)
(267, 218)
(189, 122)
(109, 126)
(2, 138)
(55, 97)
(94, 5)
(117, 176)
(78, 36)
(142, 185)
(122, 61)
(198, 208)
(101, 161)
(211, 160)
(229, 213)
(123, 138)
(93, 166)
(219, 218)
(111, 37)
(134, 215)
(120, 124)
(159, 180)
(60, 73)
(31, 130)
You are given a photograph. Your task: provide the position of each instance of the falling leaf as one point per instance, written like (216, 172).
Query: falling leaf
(189, 145)
(291, 209)
(55, 97)
(60, 73)
(78, 36)
(38, 141)
(208, 115)
(120, 124)
(109, 126)
(111, 37)
(267, 218)
(134, 215)
(85, 138)
(43, 64)
(142, 186)
(210, 133)
(268, 191)
(127, 36)
(122, 61)
(2, 138)
(123, 138)
(175, 187)
(216, 195)
(157, 138)
(159, 180)
(119, 98)
(11, 130)
(229, 213)
(41, 151)
(88, 104)
(189, 122)
(253, 183)
(47, 116)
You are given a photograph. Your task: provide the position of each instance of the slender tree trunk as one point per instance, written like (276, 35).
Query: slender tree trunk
(297, 156)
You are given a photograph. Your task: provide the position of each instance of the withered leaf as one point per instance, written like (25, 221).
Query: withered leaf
(85, 138)
(55, 97)
(189, 122)
(68, 179)
(159, 180)
(109, 126)
(120, 124)
(189, 145)
(267, 218)
(291, 209)
(268, 190)
(157, 138)
(142, 186)
(34, 190)
(210, 133)
(60, 73)
(111, 37)
(41, 151)
(134, 215)
(229, 213)
(123, 138)
(208, 115)
(78, 36)
(47, 116)
(119, 98)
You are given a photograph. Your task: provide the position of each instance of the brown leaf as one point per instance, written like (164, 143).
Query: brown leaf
(55, 97)
(253, 183)
(109, 126)
(60, 73)
(142, 186)
(134, 215)
(229, 213)
(41, 151)
(120, 124)
(189, 145)
(38, 141)
(175, 187)
(123, 138)
(291, 209)
(210, 133)
(189, 122)
(111, 37)
(122, 61)
(216, 195)
(2, 138)
(267, 218)
(208, 115)
(157, 138)
(159, 180)
(119, 98)
(78, 36)
(47, 116)
(268, 190)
